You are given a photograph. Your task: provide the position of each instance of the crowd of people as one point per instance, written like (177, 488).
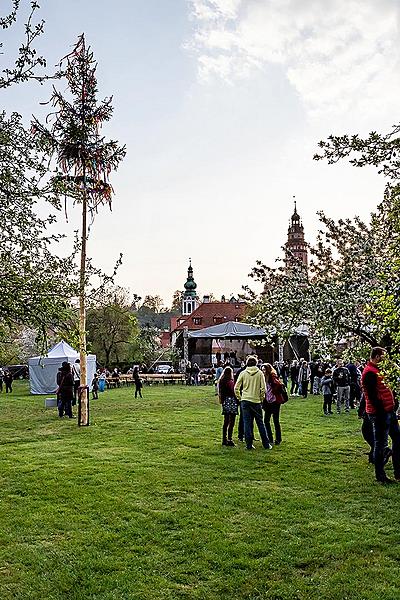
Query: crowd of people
(253, 389)
(256, 392)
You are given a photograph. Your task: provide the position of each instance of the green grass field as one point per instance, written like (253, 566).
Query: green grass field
(146, 504)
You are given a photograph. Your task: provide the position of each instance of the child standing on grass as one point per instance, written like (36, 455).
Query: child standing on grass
(229, 403)
(95, 387)
(138, 382)
(327, 387)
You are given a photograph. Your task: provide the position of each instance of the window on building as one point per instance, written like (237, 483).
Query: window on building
(197, 320)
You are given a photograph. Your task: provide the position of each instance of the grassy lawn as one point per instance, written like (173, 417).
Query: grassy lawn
(146, 504)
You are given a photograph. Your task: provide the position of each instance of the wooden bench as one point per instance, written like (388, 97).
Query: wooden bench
(111, 383)
(206, 379)
(126, 380)
(168, 379)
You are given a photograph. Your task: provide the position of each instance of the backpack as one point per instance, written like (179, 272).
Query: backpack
(284, 394)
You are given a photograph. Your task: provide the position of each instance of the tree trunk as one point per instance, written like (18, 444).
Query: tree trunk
(84, 413)
(108, 353)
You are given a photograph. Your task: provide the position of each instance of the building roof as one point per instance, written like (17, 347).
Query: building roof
(231, 330)
(209, 314)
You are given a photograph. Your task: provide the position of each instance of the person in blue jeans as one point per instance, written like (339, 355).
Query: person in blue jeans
(250, 389)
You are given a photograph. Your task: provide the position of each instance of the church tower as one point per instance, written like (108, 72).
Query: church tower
(190, 300)
(296, 243)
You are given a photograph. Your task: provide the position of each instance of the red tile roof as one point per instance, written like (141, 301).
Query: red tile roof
(211, 313)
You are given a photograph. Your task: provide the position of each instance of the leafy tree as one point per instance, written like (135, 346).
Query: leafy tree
(36, 285)
(135, 302)
(381, 151)
(112, 329)
(176, 305)
(28, 60)
(154, 303)
(149, 344)
(352, 287)
(84, 160)
(335, 299)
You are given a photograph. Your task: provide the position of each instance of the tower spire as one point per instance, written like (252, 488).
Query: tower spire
(296, 244)
(190, 300)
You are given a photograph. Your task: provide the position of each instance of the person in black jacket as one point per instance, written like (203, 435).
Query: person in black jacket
(138, 382)
(65, 392)
(8, 379)
(341, 379)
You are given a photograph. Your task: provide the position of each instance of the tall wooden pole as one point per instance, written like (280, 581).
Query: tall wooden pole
(84, 412)
(84, 399)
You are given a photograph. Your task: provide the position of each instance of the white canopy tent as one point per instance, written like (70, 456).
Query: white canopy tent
(43, 369)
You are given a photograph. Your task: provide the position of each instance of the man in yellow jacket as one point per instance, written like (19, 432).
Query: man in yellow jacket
(250, 390)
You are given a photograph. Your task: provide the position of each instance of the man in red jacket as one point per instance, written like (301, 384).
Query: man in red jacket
(380, 408)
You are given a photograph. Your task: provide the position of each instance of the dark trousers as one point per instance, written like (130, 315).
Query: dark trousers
(64, 407)
(8, 387)
(1, 384)
(77, 383)
(227, 427)
(294, 387)
(304, 388)
(382, 426)
(138, 390)
(352, 396)
(327, 403)
(272, 409)
(252, 411)
(240, 424)
(368, 435)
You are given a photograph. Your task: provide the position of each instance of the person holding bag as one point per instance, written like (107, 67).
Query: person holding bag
(275, 395)
(229, 405)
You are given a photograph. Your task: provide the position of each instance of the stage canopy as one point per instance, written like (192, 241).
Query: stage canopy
(43, 369)
(229, 330)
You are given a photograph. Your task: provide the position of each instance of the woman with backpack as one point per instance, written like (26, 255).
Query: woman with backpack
(275, 395)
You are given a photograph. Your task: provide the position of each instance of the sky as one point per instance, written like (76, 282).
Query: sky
(221, 104)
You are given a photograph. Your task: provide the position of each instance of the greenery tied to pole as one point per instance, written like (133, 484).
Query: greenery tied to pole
(84, 161)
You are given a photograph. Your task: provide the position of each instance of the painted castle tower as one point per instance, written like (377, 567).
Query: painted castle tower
(296, 244)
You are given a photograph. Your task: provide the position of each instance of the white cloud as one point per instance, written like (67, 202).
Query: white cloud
(215, 9)
(335, 54)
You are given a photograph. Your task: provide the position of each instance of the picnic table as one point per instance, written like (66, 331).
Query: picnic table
(165, 379)
(122, 380)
